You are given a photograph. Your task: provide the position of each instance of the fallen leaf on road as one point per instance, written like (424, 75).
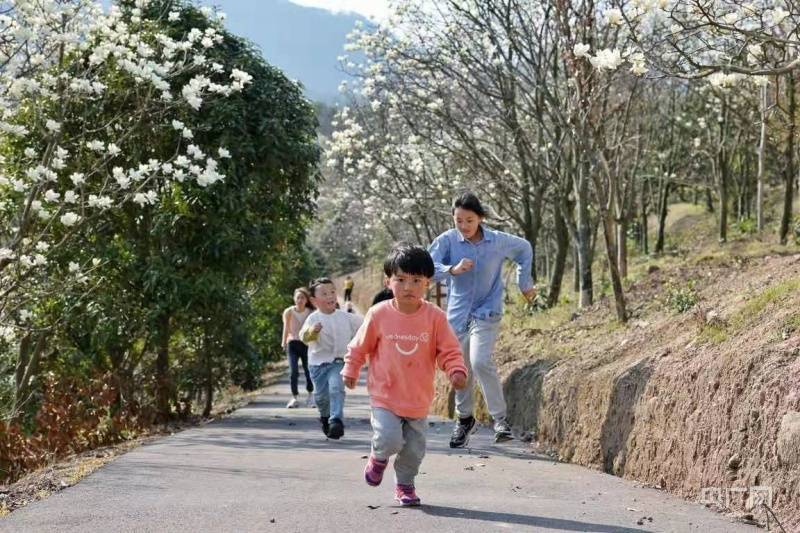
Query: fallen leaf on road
(632, 509)
(271, 520)
(373, 507)
(469, 468)
(395, 512)
(483, 457)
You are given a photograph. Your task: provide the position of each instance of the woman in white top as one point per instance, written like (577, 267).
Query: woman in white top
(293, 319)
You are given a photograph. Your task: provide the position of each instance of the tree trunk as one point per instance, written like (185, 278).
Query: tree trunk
(28, 357)
(663, 203)
(576, 271)
(709, 201)
(584, 244)
(562, 247)
(163, 379)
(789, 162)
(724, 176)
(616, 282)
(644, 222)
(622, 248)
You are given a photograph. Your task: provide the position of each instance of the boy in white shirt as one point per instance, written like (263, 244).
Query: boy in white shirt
(327, 331)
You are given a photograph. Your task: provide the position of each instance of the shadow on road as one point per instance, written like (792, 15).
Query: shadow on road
(524, 520)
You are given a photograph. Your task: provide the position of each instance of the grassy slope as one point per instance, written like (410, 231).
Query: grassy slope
(681, 401)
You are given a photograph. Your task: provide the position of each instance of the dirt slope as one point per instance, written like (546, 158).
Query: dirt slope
(706, 398)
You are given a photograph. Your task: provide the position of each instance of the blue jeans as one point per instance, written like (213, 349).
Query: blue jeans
(329, 389)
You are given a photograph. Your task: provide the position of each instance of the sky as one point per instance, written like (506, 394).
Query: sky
(303, 38)
(377, 10)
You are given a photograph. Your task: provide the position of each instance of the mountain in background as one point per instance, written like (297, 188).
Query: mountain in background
(302, 41)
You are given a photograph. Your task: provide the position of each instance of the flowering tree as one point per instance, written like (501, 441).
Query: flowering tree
(732, 45)
(78, 88)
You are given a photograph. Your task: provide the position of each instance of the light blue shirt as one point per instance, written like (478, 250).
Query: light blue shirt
(479, 292)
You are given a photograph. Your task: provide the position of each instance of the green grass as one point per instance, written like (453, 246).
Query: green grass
(718, 333)
(713, 334)
(755, 306)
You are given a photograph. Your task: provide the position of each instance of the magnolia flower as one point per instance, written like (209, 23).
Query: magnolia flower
(102, 202)
(614, 16)
(173, 16)
(637, 64)
(140, 198)
(51, 195)
(723, 80)
(113, 149)
(96, 261)
(223, 153)
(53, 126)
(697, 142)
(6, 253)
(606, 59)
(97, 146)
(581, 50)
(778, 14)
(77, 178)
(74, 267)
(70, 197)
(70, 219)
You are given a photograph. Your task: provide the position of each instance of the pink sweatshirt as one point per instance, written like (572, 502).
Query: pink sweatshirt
(403, 351)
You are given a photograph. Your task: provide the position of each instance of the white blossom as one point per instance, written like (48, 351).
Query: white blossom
(70, 219)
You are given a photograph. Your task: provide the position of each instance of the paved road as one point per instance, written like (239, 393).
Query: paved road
(266, 468)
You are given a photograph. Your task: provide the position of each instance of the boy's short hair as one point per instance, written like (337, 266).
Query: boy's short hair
(409, 258)
(312, 287)
(469, 201)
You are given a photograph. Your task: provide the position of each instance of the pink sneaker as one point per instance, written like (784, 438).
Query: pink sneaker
(373, 473)
(406, 495)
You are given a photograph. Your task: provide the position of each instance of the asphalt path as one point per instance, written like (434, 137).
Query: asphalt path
(268, 468)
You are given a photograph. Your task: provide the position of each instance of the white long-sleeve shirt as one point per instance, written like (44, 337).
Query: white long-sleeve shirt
(338, 328)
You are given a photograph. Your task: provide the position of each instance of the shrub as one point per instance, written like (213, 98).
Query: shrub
(681, 298)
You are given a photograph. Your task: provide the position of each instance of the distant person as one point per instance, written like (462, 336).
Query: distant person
(470, 258)
(327, 332)
(405, 339)
(382, 296)
(348, 288)
(293, 319)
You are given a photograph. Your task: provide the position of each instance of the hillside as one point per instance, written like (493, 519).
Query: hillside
(709, 397)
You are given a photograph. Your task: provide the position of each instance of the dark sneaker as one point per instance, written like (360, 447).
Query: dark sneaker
(461, 432)
(325, 426)
(336, 430)
(373, 473)
(502, 431)
(406, 495)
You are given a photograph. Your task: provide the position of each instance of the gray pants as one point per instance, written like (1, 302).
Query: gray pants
(405, 437)
(477, 344)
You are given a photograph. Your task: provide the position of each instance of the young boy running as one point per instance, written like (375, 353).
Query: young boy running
(327, 332)
(405, 339)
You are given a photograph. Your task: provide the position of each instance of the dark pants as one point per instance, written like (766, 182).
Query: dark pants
(298, 352)
(348, 294)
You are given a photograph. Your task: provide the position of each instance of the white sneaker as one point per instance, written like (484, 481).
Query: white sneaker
(310, 400)
(293, 403)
